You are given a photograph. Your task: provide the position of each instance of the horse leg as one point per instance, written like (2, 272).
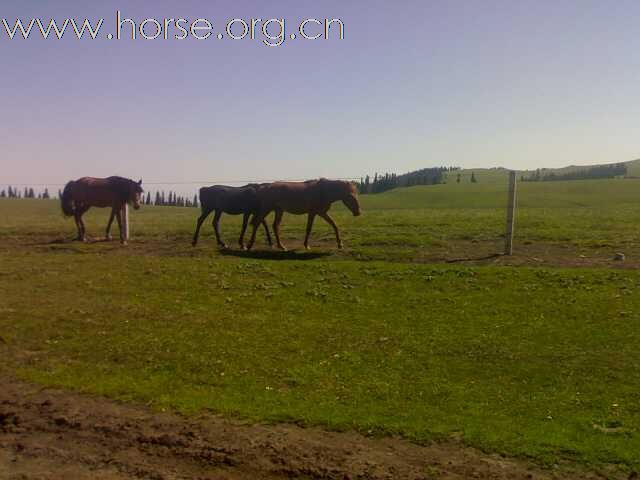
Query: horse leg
(310, 219)
(80, 224)
(84, 229)
(201, 218)
(216, 228)
(111, 217)
(245, 222)
(257, 219)
(330, 221)
(276, 229)
(76, 217)
(266, 232)
(123, 240)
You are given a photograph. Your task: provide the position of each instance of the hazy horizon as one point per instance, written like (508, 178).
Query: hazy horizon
(520, 85)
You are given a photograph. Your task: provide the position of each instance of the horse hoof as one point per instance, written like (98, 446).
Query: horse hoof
(108, 238)
(193, 244)
(224, 246)
(340, 246)
(283, 248)
(307, 247)
(124, 243)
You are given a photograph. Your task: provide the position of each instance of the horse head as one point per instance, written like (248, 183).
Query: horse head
(135, 193)
(350, 198)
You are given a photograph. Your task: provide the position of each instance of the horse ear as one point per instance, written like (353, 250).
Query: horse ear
(140, 182)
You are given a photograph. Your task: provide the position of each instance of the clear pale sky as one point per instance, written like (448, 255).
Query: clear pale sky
(415, 83)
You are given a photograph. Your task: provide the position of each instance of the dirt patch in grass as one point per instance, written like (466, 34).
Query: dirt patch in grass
(51, 434)
(453, 251)
(542, 254)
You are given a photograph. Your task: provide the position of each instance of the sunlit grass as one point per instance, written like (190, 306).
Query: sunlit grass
(538, 362)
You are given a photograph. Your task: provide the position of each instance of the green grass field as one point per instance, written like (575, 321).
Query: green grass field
(540, 361)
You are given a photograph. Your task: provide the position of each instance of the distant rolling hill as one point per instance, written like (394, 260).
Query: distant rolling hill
(491, 193)
(500, 175)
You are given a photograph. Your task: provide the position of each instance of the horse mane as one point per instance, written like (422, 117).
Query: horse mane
(340, 185)
(121, 187)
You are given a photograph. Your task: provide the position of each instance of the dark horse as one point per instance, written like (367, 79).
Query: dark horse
(80, 195)
(231, 200)
(313, 197)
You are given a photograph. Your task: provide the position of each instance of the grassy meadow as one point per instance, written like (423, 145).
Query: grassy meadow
(413, 329)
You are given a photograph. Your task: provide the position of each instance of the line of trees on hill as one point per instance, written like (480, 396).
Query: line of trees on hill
(599, 171)
(170, 199)
(388, 181)
(28, 192)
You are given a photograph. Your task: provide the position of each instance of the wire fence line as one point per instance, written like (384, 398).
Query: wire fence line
(192, 182)
(166, 193)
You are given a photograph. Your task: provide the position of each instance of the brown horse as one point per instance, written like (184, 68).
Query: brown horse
(231, 200)
(313, 197)
(80, 195)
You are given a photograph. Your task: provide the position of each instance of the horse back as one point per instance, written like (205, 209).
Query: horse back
(232, 200)
(293, 197)
(94, 192)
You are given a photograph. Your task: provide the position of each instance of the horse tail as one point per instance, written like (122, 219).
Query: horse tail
(66, 201)
(203, 199)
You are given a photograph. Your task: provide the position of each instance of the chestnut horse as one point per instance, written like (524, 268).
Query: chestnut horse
(80, 195)
(313, 197)
(231, 200)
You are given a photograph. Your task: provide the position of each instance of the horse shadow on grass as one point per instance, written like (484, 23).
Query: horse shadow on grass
(73, 246)
(70, 241)
(491, 256)
(274, 254)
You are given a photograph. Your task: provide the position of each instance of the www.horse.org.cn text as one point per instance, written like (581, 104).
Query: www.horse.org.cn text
(272, 32)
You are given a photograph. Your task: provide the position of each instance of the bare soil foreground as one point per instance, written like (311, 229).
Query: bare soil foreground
(51, 434)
